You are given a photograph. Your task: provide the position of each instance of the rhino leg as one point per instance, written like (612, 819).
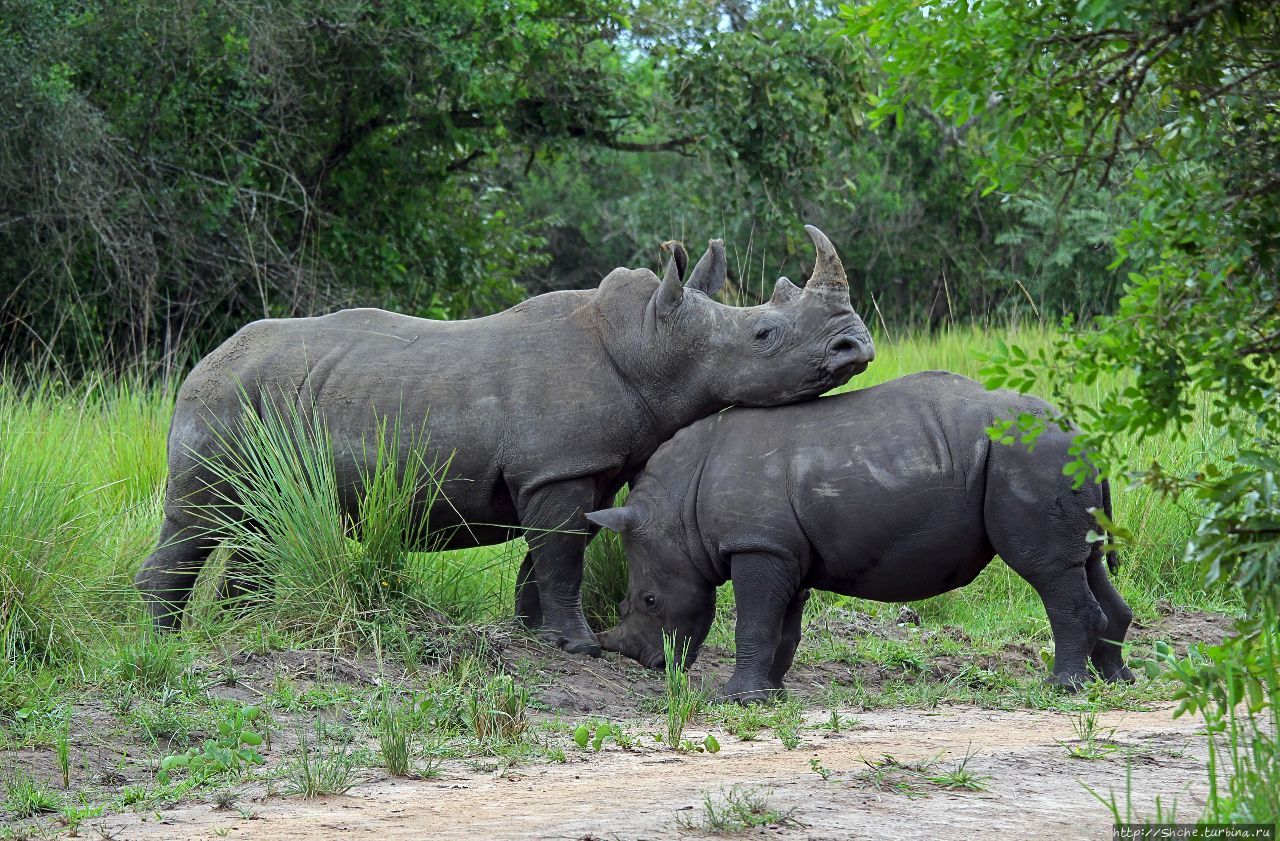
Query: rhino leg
(528, 605)
(244, 581)
(764, 592)
(1075, 617)
(1107, 654)
(557, 540)
(169, 573)
(790, 640)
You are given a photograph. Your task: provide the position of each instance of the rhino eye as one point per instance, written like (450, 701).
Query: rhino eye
(767, 338)
(650, 601)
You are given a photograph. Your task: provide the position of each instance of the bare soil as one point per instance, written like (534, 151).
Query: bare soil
(639, 794)
(1032, 788)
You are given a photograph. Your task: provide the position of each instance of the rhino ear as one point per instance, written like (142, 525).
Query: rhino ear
(709, 275)
(679, 262)
(670, 291)
(784, 292)
(614, 519)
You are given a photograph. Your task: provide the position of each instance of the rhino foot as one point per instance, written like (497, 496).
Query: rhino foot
(746, 697)
(1122, 675)
(1069, 683)
(589, 647)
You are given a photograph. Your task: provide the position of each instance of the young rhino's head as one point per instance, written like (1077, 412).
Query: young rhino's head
(666, 593)
(800, 344)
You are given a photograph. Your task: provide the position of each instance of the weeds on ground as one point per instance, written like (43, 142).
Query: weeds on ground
(498, 711)
(915, 779)
(322, 766)
(682, 700)
(231, 752)
(26, 797)
(1090, 741)
(738, 809)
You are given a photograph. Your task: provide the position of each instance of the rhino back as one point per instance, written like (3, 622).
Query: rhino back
(858, 486)
(500, 398)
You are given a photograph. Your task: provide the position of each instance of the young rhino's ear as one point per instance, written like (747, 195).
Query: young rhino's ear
(710, 273)
(784, 292)
(614, 519)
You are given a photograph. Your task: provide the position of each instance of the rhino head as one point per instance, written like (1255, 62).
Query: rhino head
(799, 344)
(667, 591)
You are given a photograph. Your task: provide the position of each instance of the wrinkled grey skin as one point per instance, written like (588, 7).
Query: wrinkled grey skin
(893, 493)
(546, 409)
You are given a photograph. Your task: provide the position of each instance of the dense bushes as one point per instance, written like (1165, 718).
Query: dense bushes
(172, 168)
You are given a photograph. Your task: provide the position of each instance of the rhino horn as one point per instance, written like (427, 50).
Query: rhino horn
(678, 263)
(828, 271)
(784, 292)
(614, 519)
(709, 275)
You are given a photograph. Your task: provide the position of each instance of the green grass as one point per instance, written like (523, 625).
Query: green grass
(738, 809)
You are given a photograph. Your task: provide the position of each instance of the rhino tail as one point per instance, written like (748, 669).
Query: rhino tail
(1113, 560)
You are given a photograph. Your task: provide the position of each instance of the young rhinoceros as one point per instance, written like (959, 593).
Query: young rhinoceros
(544, 411)
(893, 493)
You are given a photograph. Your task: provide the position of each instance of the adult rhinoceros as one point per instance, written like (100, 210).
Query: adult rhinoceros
(545, 410)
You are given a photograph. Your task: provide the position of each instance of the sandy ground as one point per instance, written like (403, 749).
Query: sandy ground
(1033, 788)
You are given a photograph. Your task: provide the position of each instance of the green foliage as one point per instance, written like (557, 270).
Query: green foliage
(322, 766)
(231, 751)
(604, 576)
(166, 177)
(596, 734)
(682, 699)
(1173, 104)
(740, 809)
(152, 660)
(26, 797)
(497, 711)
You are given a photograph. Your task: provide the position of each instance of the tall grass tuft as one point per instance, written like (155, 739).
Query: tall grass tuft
(682, 700)
(604, 577)
(47, 537)
(321, 767)
(280, 506)
(497, 710)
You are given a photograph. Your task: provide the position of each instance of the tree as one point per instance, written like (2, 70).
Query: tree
(171, 168)
(1175, 103)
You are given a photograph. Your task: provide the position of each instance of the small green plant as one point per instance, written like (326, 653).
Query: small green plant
(151, 660)
(890, 774)
(497, 710)
(26, 797)
(834, 723)
(595, 734)
(960, 778)
(73, 816)
(1089, 742)
(788, 720)
(62, 750)
(134, 795)
(743, 722)
(224, 798)
(321, 768)
(234, 749)
(821, 770)
(396, 732)
(682, 700)
(737, 810)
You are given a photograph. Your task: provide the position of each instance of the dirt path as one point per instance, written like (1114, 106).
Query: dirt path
(1033, 788)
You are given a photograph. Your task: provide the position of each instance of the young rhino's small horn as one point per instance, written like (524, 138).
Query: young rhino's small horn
(828, 271)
